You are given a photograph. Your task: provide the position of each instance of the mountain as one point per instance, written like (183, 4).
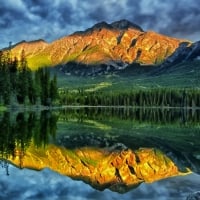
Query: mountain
(117, 44)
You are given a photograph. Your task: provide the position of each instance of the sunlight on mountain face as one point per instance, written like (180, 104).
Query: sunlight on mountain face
(118, 170)
(101, 44)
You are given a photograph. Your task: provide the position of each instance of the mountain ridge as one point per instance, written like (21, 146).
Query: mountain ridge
(120, 25)
(119, 42)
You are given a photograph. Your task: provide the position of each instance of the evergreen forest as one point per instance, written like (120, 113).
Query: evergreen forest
(20, 85)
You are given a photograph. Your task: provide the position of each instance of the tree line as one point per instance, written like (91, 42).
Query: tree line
(158, 97)
(20, 85)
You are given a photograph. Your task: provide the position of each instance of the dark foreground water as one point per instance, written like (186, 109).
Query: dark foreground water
(175, 133)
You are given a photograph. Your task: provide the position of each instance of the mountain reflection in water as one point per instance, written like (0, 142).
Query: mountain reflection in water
(116, 170)
(117, 149)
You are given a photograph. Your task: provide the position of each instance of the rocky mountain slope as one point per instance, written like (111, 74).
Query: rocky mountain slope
(183, 53)
(116, 44)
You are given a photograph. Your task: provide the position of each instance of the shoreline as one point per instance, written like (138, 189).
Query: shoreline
(24, 108)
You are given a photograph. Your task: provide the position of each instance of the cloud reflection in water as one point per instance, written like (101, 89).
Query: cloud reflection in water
(45, 185)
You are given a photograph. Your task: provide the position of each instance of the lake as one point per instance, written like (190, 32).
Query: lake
(100, 153)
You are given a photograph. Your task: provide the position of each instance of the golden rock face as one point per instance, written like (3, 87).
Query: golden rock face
(100, 46)
(101, 168)
(31, 48)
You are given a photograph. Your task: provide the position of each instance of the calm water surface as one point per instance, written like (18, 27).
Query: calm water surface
(35, 147)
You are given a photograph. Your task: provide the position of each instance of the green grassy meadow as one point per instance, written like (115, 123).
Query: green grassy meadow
(185, 75)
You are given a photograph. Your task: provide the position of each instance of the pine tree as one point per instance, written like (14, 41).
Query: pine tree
(23, 82)
(53, 89)
(13, 80)
(45, 87)
(37, 87)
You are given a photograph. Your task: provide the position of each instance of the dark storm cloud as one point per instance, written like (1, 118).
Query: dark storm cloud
(51, 19)
(186, 20)
(107, 11)
(175, 18)
(9, 15)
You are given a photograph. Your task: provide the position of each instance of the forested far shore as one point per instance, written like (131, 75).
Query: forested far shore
(149, 97)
